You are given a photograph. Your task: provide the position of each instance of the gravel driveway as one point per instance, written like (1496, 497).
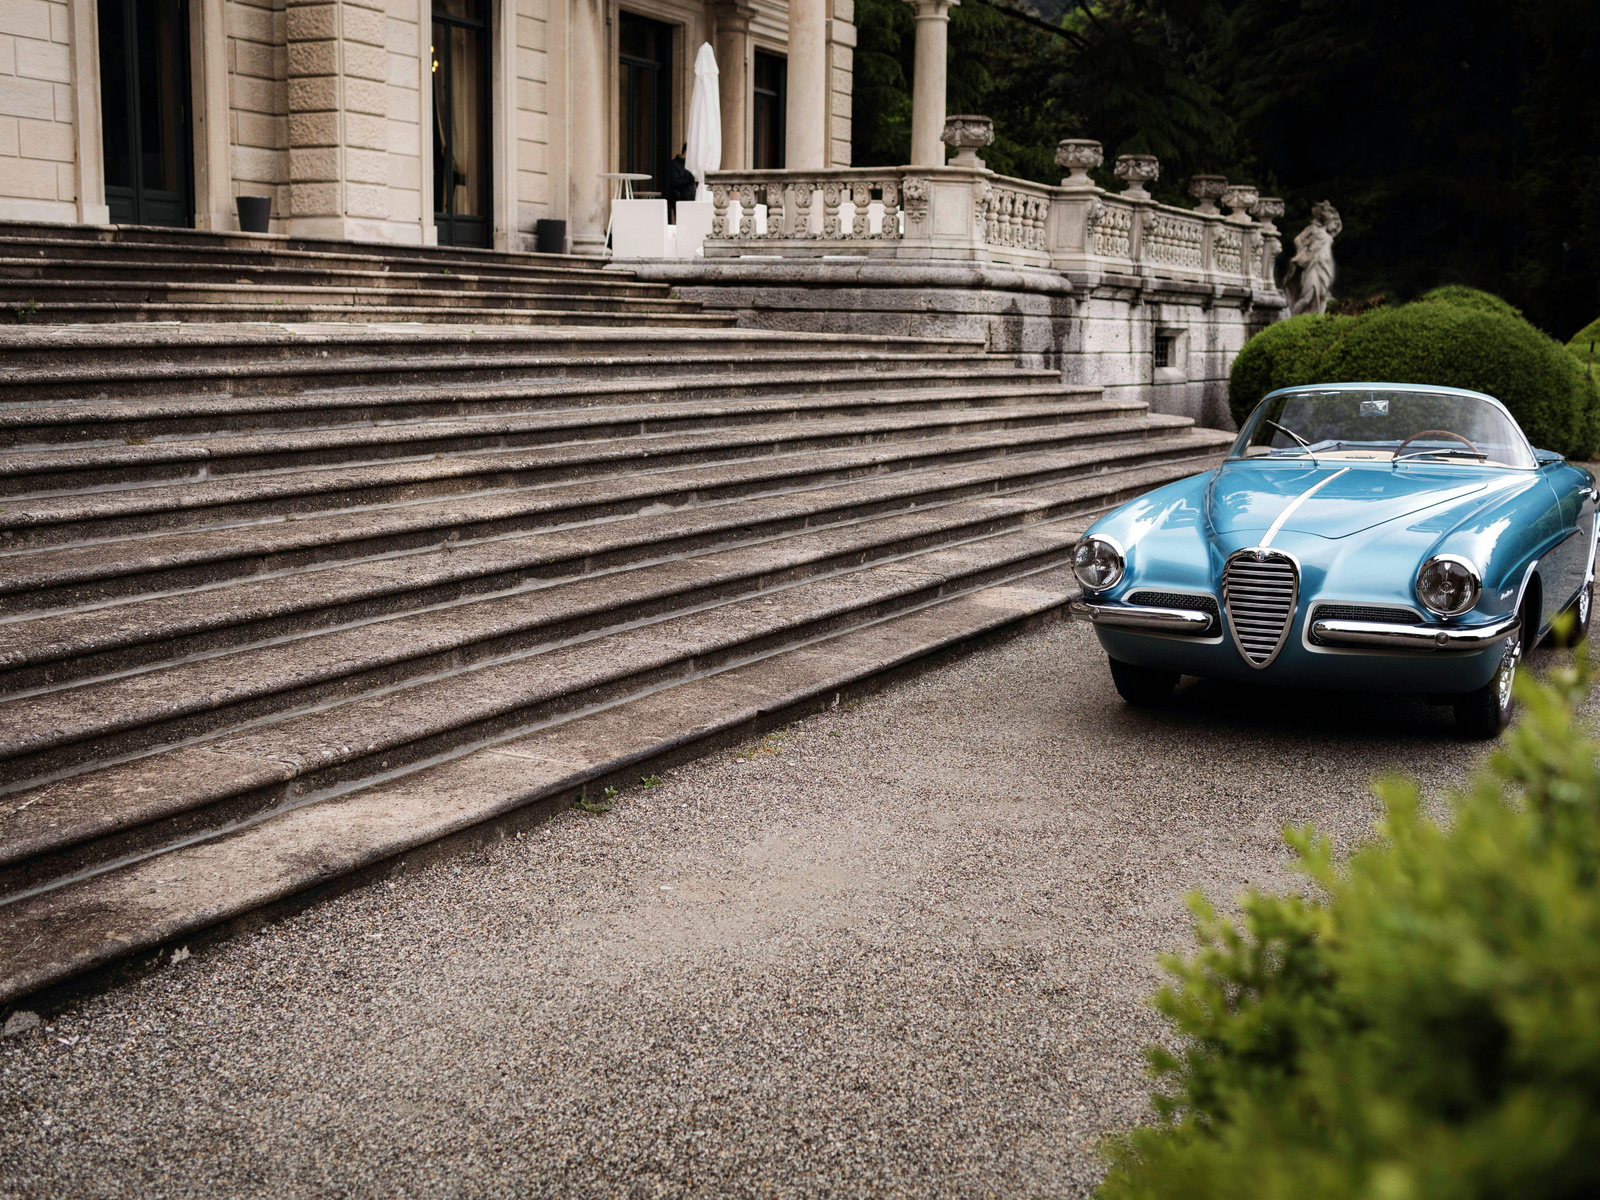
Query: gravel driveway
(899, 950)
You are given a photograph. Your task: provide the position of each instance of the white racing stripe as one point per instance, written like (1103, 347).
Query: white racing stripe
(1296, 503)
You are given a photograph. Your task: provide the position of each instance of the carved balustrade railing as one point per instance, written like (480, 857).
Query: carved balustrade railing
(974, 214)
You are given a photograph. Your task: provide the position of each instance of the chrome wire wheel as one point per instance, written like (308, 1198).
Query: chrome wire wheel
(1507, 675)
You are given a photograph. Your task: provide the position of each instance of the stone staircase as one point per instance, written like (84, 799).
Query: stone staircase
(285, 605)
(79, 273)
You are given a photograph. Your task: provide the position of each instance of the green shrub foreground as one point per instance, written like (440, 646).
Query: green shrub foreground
(1427, 1029)
(1454, 337)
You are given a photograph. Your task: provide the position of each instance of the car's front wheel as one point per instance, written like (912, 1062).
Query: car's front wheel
(1142, 685)
(1484, 713)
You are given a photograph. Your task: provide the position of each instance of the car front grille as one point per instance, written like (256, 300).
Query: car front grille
(1205, 604)
(1259, 590)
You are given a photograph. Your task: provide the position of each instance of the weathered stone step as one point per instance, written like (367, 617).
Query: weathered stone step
(117, 239)
(64, 422)
(44, 650)
(105, 719)
(162, 901)
(74, 312)
(256, 268)
(186, 292)
(31, 472)
(54, 578)
(53, 363)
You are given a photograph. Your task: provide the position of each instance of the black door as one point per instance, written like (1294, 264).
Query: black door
(644, 81)
(144, 111)
(461, 156)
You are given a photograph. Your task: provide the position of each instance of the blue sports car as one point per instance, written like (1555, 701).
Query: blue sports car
(1369, 536)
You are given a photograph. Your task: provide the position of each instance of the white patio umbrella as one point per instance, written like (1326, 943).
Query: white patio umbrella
(705, 122)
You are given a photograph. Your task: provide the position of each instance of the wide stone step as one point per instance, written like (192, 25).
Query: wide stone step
(185, 292)
(474, 310)
(193, 891)
(51, 648)
(828, 386)
(574, 437)
(50, 363)
(56, 578)
(257, 269)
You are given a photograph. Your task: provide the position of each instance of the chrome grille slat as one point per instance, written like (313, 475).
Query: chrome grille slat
(1259, 591)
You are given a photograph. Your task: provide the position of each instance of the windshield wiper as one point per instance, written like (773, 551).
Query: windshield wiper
(1478, 454)
(1290, 432)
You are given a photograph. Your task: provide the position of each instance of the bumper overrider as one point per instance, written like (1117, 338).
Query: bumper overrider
(1361, 635)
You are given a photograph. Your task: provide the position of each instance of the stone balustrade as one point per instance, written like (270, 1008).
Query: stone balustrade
(970, 213)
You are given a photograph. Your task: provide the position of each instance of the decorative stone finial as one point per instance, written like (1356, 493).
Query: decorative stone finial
(1239, 198)
(1208, 189)
(1079, 156)
(1267, 210)
(1137, 170)
(967, 133)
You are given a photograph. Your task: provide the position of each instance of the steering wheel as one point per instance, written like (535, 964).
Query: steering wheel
(1444, 433)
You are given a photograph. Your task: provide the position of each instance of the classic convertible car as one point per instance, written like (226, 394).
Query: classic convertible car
(1366, 536)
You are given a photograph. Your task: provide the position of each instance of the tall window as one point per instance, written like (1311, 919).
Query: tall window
(461, 155)
(144, 111)
(644, 84)
(771, 82)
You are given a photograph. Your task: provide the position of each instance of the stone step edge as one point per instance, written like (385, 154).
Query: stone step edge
(489, 433)
(190, 294)
(26, 414)
(178, 311)
(597, 278)
(124, 636)
(375, 832)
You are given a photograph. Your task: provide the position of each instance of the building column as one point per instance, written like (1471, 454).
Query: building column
(733, 81)
(806, 127)
(928, 81)
(590, 76)
(338, 118)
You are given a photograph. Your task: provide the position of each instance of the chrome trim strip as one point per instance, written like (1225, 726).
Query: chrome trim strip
(1272, 530)
(1142, 616)
(1382, 635)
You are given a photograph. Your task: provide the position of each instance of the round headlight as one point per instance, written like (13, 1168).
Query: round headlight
(1448, 585)
(1097, 562)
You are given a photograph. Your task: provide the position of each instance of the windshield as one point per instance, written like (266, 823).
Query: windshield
(1390, 426)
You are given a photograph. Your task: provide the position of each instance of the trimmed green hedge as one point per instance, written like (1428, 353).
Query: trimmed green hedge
(1427, 1027)
(1458, 296)
(1454, 340)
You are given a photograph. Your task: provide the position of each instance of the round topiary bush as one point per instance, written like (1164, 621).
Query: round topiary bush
(1457, 296)
(1459, 338)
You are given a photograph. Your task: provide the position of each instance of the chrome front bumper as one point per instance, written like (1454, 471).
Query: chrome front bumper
(1140, 616)
(1380, 635)
(1368, 635)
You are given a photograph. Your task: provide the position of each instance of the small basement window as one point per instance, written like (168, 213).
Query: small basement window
(1166, 344)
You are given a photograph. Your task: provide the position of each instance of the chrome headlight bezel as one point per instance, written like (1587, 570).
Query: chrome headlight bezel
(1474, 584)
(1093, 544)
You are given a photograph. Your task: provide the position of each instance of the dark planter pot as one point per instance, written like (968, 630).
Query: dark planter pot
(550, 237)
(255, 214)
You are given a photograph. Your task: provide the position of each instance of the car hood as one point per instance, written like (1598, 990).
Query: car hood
(1349, 497)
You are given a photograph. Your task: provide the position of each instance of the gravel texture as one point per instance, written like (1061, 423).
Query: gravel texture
(896, 950)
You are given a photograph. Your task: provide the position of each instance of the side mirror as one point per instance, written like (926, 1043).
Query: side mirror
(1546, 458)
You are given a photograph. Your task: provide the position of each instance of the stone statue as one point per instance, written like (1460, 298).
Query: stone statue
(1309, 280)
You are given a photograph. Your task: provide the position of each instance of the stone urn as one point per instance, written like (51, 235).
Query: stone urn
(1137, 170)
(1079, 156)
(1267, 210)
(1208, 189)
(1239, 198)
(967, 133)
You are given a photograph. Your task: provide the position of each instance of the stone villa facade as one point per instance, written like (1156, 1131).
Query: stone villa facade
(330, 107)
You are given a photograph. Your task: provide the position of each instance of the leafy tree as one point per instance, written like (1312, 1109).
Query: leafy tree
(1425, 1024)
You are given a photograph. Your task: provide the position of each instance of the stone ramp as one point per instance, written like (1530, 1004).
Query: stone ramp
(276, 607)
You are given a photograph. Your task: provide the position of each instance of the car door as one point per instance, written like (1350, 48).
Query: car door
(1564, 567)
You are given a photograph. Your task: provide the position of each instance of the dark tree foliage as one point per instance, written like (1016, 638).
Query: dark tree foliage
(1460, 140)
